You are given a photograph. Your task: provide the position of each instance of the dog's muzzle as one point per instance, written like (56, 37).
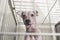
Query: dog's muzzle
(27, 22)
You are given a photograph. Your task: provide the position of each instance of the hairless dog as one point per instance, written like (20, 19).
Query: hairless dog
(29, 19)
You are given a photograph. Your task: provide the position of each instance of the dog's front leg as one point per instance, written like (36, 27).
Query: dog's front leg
(33, 38)
(27, 37)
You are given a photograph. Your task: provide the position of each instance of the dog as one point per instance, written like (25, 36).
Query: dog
(29, 20)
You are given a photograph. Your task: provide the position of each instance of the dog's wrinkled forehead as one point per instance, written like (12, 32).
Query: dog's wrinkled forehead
(29, 13)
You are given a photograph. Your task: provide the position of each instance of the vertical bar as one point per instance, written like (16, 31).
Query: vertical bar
(53, 29)
(49, 19)
(10, 4)
(12, 7)
(3, 14)
(49, 11)
(17, 37)
(54, 33)
(2, 18)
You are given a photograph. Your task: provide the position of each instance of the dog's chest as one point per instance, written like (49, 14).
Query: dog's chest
(30, 28)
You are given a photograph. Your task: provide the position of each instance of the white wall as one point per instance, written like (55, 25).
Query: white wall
(7, 24)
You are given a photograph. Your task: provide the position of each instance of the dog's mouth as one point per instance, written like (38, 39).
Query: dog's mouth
(27, 24)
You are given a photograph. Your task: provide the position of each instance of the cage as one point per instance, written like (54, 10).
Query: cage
(12, 26)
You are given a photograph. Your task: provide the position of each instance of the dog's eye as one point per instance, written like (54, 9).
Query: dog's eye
(23, 15)
(32, 15)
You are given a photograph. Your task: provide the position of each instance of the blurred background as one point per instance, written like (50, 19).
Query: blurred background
(47, 20)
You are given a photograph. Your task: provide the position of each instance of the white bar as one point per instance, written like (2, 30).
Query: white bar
(53, 28)
(44, 34)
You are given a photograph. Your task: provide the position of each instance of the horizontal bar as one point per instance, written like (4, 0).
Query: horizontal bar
(38, 23)
(29, 6)
(42, 34)
(18, 9)
(31, 2)
(56, 12)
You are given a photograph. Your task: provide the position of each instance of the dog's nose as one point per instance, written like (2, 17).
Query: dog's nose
(27, 21)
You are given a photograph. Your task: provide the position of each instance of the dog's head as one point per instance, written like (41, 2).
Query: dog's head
(29, 17)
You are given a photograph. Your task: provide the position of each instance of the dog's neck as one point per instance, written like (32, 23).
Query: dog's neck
(30, 28)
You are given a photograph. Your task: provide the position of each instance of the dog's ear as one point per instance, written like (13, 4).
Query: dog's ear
(20, 13)
(35, 12)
